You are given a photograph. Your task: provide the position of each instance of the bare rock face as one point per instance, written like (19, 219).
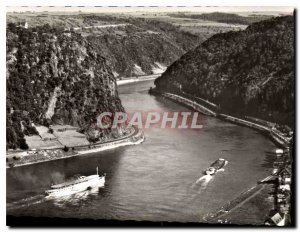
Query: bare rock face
(249, 72)
(54, 77)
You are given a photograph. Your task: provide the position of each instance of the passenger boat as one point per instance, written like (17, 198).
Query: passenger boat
(215, 166)
(80, 184)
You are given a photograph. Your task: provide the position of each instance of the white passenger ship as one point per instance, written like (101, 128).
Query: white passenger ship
(82, 183)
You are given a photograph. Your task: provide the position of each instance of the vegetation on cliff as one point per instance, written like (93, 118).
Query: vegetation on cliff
(248, 72)
(138, 46)
(54, 77)
(135, 52)
(132, 44)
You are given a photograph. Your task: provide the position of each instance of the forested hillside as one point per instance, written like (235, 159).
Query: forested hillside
(248, 72)
(135, 51)
(54, 77)
(138, 46)
(132, 46)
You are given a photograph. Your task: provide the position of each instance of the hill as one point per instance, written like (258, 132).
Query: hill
(248, 72)
(140, 46)
(54, 77)
(132, 44)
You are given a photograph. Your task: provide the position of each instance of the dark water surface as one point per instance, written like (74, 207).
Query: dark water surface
(157, 180)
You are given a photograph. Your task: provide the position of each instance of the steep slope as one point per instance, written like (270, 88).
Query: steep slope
(136, 43)
(54, 77)
(132, 46)
(249, 72)
(131, 51)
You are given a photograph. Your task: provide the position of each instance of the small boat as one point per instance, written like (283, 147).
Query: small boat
(80, 184)
(215, 166)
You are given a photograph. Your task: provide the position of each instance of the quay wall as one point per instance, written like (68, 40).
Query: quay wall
(271, 133)
(44, 155)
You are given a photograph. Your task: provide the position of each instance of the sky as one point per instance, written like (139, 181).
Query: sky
(283, 9)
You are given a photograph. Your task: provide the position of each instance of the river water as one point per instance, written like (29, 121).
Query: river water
(159, 180)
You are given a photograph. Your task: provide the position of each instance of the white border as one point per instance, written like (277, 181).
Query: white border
(152, 3)
(293, 3)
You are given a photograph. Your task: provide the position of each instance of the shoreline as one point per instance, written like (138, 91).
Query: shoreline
(130, 139)
(130, 80)
(272, 134)
(134, 138)
(236, 202)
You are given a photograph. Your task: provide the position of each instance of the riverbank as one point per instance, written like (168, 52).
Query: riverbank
(137, 79)
(44, 155)
(211, 109)
(231, 212)
(267, 200)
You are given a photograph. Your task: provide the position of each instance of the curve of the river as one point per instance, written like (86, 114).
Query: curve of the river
(157, 180)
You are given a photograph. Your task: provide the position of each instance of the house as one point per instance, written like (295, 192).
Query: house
(286, 173)
(278, 219)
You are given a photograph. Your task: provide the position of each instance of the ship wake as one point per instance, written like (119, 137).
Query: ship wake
(74, 199)
(26, 202)
(203, 181)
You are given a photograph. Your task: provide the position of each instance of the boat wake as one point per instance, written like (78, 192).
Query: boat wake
(73, 199)
(26, 202)
(203, 181)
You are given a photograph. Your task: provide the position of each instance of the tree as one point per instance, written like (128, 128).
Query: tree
(66, 149)
(23, 144)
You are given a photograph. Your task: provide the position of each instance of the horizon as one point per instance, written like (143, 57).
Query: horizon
(149, 9)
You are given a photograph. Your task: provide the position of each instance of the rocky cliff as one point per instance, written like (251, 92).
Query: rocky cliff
(54, 77)
(132, 46)
(249, 72)
(132, 51)
(137, 46)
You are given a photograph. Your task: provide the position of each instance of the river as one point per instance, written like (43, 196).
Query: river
(157, 180)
